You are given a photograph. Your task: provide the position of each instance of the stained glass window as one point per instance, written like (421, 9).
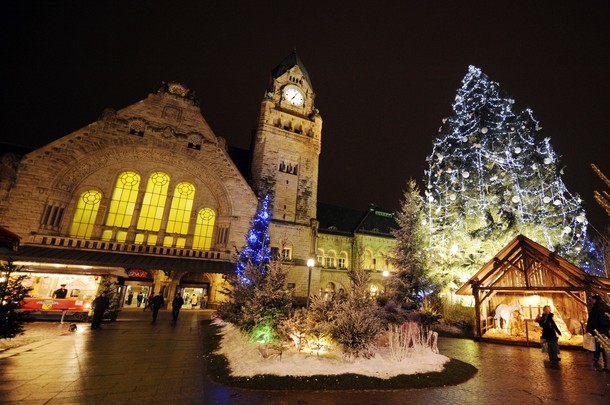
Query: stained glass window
(153, 205)
(123, 200)
(204, 229)
(180, 211)
(85, 214)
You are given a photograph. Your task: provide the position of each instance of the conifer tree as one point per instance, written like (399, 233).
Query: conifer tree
(12, 293)
(407, 284)
(258, 295)
(356, 324)
(490, 178)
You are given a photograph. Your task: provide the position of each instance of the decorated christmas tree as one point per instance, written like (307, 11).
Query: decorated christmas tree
(258, 300)
(491, 177)
(254, 257)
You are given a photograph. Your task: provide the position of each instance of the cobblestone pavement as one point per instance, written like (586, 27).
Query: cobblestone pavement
(133, 361)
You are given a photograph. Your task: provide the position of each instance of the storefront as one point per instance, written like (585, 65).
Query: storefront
(195, 290)
(138, 287)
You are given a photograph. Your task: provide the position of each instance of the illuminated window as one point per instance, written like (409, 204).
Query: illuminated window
(329, 262)
(85, 214)
(121, 236)
(123, 200)
(153, 204)
(204, 229)
(168, 241)
(180, 211)
(341, 262)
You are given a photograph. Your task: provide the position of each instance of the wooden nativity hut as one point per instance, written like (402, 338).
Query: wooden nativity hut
(513, 287)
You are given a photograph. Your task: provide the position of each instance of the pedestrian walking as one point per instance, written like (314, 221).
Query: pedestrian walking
(598, 321)
(148, 301)
(100, 305)
(139, 298)
(177, 303)
(549, 333)
(129, 297)
(156, 304)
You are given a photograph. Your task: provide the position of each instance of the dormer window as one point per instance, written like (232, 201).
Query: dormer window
(137, 128)
(194, 142)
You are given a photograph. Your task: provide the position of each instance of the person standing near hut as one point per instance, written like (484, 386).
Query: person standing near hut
(549, 332)
(598, 321)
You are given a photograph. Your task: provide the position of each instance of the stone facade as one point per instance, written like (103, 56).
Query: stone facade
(166, 133)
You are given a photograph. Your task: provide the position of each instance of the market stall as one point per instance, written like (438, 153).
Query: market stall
(512, 288)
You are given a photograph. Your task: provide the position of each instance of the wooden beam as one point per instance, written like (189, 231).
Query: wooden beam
(546, 289)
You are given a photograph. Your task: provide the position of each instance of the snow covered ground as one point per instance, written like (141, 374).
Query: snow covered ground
(246, 360)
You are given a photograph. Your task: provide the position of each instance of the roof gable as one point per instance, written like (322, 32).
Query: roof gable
(525, 264)
(288, 63)
(374, 221)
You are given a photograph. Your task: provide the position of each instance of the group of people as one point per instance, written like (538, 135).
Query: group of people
(598, 322)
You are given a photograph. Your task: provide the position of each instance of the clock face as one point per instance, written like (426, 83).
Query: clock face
(294, 96)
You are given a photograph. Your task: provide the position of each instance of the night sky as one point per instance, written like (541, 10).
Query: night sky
(385, 74)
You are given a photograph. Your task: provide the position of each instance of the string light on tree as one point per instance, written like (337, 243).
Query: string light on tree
(256, 253)
(490, 178)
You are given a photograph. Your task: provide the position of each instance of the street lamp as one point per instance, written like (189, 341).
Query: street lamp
(310, 264)
(385, 278)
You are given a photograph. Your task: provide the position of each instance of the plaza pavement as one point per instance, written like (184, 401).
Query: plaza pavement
(133, 361)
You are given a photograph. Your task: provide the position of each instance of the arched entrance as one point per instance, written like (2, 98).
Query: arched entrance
(138, 286)
(195, 289)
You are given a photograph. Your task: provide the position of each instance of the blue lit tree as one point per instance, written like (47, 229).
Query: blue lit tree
(258, 299)
(254, 257)
(490, 178)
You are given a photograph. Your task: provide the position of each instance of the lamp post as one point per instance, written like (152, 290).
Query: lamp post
(310, 264)
(385, 280)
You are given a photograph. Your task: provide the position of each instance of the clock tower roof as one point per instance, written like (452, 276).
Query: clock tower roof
(289, 62)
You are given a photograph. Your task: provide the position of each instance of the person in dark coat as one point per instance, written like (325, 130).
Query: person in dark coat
(148, 301)
(156, 304)
(100, 305)
(129, 297)
(60, 292)
(598, 321)
(140, 298)
(549, 327)
(177, 303)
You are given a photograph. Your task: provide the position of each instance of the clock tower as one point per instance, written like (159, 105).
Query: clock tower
(286, 145)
